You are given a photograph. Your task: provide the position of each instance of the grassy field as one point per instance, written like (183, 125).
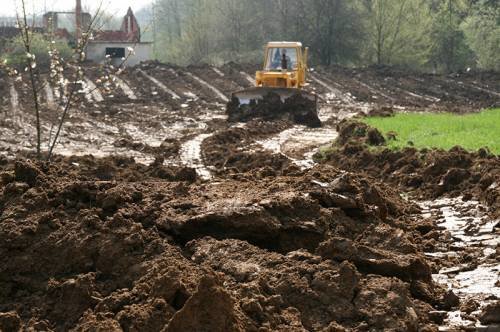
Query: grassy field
(471, 131)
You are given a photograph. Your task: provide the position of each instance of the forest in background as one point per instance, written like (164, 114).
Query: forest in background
(428, 35)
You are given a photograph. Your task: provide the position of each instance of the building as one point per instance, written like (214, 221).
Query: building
(66, 25)
(106, 44)
(117, 44)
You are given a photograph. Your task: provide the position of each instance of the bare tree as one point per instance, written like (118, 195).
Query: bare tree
(60, 70)
(26, 34)
(386, 16)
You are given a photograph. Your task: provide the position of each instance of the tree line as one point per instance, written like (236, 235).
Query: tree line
(430, 35)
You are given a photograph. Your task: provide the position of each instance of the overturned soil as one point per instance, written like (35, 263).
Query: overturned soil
(426, 173)
(311, 251)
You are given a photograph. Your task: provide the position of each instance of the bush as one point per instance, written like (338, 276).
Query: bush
(482, 31)
(15, 53)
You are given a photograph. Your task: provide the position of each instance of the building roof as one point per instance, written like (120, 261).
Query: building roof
(284, 44)
(129, 31)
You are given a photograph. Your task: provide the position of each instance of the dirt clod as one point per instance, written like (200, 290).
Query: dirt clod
(491, 314)
(10, 321)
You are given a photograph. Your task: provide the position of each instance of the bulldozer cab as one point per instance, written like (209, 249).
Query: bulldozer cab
(276, 52)
(285, 66)
(275, 55)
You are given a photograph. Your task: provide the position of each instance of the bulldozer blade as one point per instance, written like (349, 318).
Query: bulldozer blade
(258, 93)
(274, 103)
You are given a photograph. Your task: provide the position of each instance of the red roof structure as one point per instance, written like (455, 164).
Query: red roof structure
(129, 31)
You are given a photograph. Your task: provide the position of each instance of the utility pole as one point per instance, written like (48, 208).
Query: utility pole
(78, 14)
(153, 9)
(451, 40)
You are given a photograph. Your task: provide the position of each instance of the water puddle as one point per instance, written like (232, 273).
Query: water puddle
(469, 230)
(190, 155)
(299, 143)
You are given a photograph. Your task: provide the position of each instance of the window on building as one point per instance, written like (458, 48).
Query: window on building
(115, 52)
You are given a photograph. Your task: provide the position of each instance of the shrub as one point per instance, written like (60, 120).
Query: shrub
(15, 55)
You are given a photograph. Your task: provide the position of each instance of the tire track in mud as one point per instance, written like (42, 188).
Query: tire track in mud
(190, 155)
(398, 86)
(176, 83)
(49, 94)
(412, 94)
(94, 91)
(248, 77)
(218, 72)
(474, 86)
(125, 88)
(14, 101)
(336, 92)
(159, 84)
(375, 91)
(340, 104)
(217, 92)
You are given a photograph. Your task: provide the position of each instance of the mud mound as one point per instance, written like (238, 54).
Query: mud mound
(267, 252)
(89, 168)
(297, 109)
(313, 294)
(227, 150)
(358, 132)
(428, 173)
(168, 148)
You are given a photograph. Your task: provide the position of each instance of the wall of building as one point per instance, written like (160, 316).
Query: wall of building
(96, 52)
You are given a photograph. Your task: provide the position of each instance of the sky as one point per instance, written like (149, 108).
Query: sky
(115, 7)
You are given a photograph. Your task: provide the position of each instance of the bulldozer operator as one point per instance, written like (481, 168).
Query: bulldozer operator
(283, 60)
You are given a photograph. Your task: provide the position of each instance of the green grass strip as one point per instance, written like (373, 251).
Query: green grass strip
(442, 130)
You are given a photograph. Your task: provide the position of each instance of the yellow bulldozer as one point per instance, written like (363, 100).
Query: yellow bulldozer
(279, 88)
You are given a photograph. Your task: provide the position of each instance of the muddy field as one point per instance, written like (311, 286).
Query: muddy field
(158, 214)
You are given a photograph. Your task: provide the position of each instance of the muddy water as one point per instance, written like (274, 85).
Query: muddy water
(299, 143)
(468, 229)
(190, 155)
